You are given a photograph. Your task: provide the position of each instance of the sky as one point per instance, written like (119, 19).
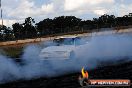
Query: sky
(17, 10)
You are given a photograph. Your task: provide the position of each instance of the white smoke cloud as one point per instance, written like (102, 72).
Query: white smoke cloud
(98, 49)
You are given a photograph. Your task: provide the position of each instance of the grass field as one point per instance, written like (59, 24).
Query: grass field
(12, 51)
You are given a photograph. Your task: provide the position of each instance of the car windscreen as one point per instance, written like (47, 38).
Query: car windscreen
(66, 41)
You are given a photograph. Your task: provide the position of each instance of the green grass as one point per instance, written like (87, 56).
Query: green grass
(13, 52)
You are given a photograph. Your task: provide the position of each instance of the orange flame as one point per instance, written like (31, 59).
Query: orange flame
(84, 73)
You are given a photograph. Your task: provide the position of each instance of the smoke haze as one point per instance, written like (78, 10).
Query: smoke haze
(95, 49)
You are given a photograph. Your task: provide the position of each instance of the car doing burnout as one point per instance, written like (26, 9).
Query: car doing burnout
(64, 49)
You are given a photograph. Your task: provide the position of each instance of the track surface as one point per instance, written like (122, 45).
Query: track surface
(119, 71)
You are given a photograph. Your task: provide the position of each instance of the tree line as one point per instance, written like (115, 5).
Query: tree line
(61, 24)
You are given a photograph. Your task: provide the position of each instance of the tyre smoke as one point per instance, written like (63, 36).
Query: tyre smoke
(92, 51)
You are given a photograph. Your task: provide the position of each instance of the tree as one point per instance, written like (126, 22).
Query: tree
(5, 33)
(45, 27)
(28, 28)
(8, 33)
(63, 22)
(18, 30)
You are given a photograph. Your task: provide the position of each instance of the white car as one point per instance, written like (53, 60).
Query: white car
(64, 49)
